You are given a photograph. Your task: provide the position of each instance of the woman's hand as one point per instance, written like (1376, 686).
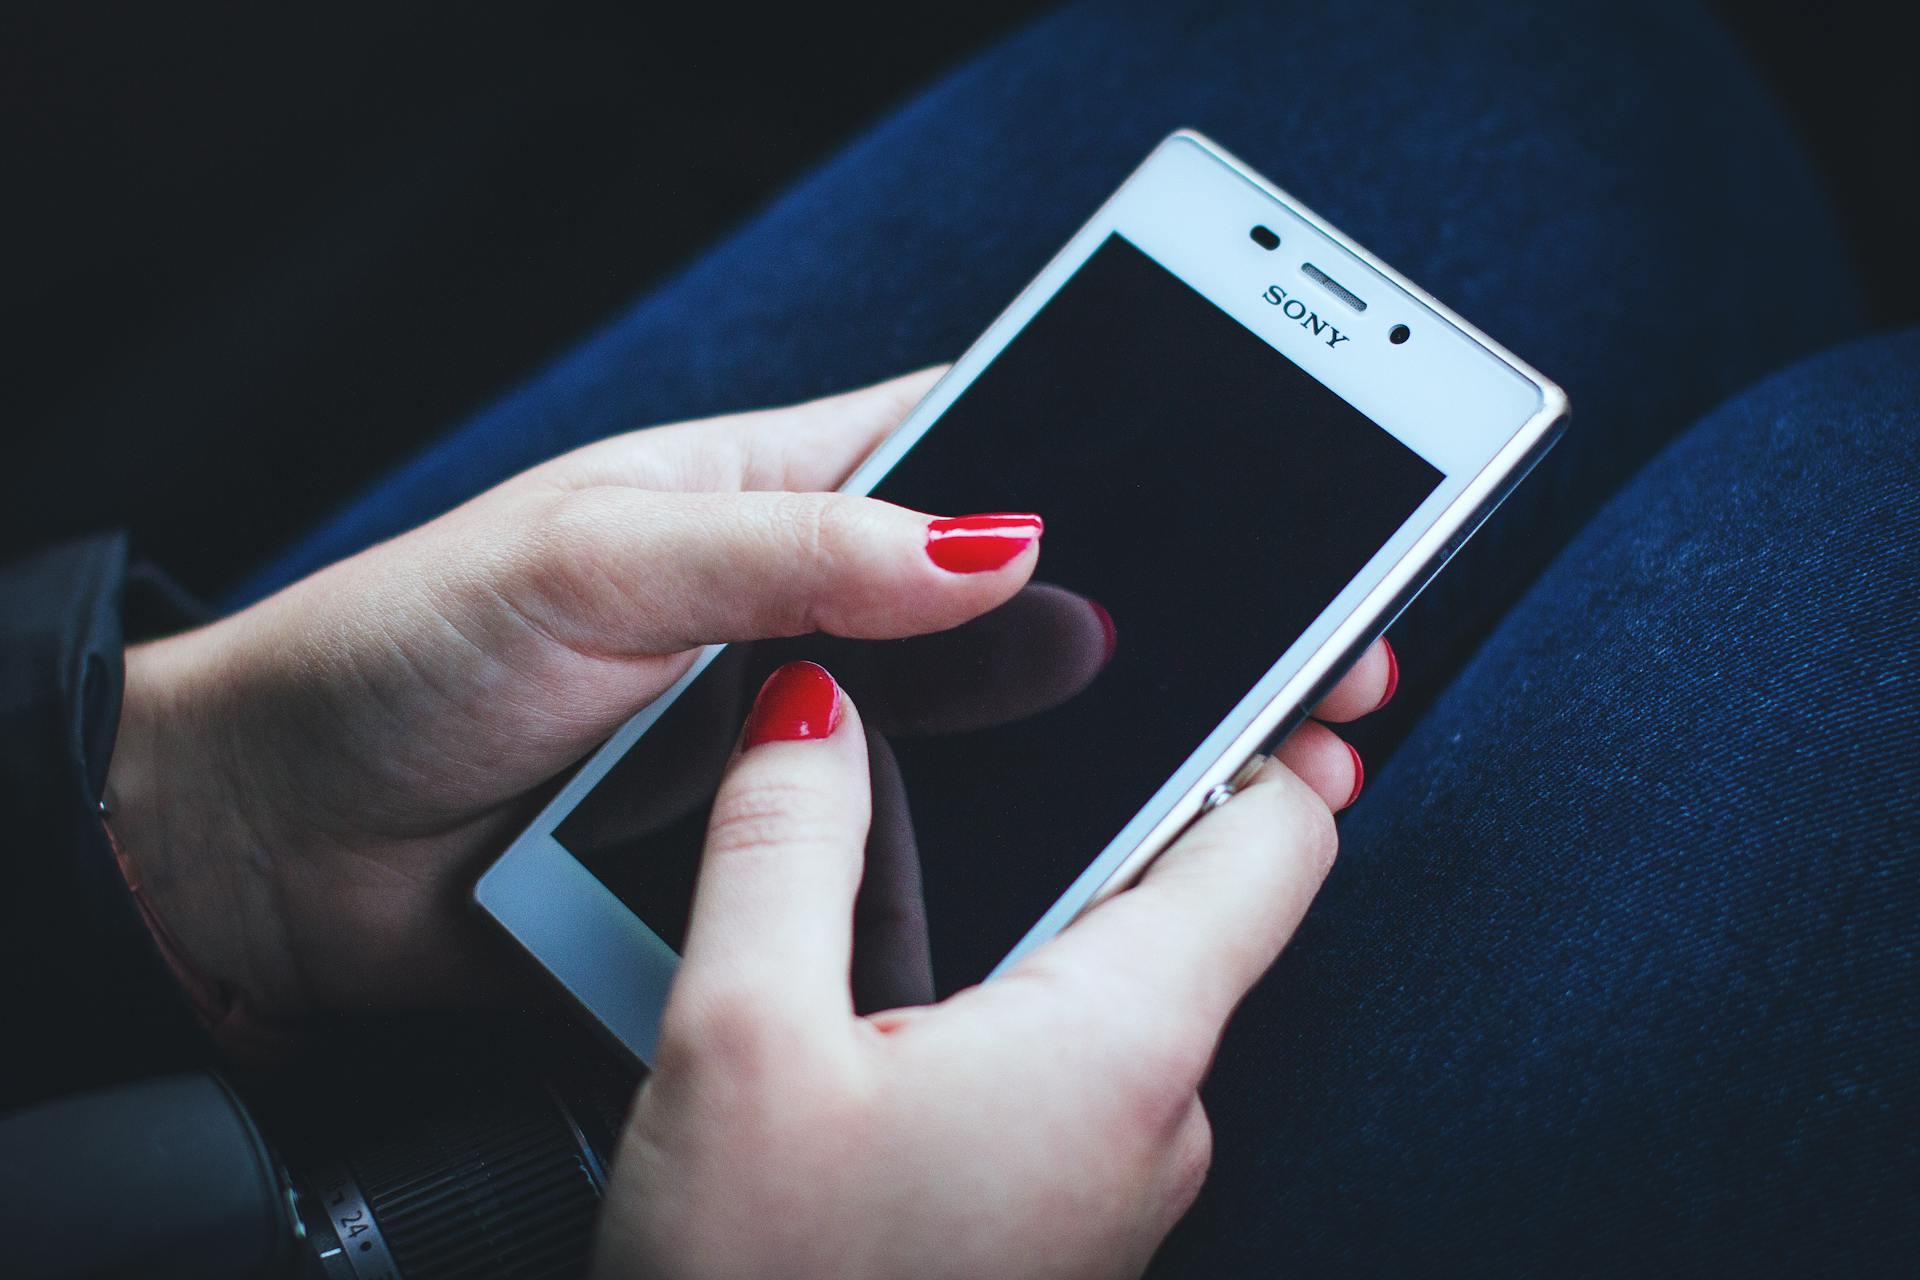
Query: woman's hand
(307, 789)
(1045, 1124)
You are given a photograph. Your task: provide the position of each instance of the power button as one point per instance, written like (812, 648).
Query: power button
(1225, 791)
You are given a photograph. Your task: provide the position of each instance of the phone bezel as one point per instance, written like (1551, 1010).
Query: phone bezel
(1190, 202)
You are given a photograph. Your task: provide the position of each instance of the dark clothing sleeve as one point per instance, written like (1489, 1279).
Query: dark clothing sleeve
(121, 1154)
(89, 1000)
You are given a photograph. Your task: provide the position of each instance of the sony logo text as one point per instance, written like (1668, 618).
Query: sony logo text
(1294, 309)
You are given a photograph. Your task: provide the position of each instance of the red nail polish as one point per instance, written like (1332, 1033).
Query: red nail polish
(800, 700)
(975, 544)
(1393, 672)
(1359, 774)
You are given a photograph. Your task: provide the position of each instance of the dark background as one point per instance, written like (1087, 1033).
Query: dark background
(242, 237)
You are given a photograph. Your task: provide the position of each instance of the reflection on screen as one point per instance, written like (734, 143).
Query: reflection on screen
(1205, 500)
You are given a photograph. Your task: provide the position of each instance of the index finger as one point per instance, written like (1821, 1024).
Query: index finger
(1212, 913)
(770, 934)
(1366, 687)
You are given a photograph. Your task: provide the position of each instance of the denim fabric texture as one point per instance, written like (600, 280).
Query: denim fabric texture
(1616, 971)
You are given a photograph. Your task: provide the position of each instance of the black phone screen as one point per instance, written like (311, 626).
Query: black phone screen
(1205, 499)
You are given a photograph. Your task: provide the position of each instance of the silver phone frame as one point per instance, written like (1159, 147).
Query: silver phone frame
(536, 898)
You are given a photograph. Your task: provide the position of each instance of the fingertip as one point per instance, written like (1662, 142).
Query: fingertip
(1211, 912)
(1366, 687)
(883, 404)
(1326, 762)
(920, 380)
(800, 700)
(1393, 673)
(1109, 631)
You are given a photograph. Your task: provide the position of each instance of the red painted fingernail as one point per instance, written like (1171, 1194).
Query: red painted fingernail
(1359, 774)
(975, 544)
(1393, 672)
(1109, 634)
(800, 700)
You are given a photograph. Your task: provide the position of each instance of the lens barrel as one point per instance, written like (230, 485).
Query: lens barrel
(462, 1160)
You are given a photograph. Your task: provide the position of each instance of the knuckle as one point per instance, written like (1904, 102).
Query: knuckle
(1172, 1063)
(572, 517)
(1303, 822)
(566, 537)
(712, 1024)
(833, 526)
(1159, 1068)
(725, 1034)
(807, 533)
(839, 528)
(771, 814)
(564, 574)
(831, 550)
(803, 522)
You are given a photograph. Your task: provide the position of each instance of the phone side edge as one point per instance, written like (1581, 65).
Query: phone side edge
(1398, 588)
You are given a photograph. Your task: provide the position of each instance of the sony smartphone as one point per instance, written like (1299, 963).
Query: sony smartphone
(1252, 443)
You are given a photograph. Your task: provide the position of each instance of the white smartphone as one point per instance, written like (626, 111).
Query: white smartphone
(1252, 442)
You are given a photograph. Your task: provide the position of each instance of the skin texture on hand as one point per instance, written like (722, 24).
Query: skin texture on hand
(308, 789)
(1045, 1124)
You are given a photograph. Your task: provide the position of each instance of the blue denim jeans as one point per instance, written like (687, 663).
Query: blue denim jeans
(1617, 968)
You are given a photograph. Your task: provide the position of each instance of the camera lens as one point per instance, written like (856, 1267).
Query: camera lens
(1399, 334)
(439, 1147)
(1265, 238)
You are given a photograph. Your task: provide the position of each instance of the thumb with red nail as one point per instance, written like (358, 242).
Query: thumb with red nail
(362, 742)
(782, 1134)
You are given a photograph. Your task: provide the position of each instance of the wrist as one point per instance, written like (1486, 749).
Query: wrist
(205, 880)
